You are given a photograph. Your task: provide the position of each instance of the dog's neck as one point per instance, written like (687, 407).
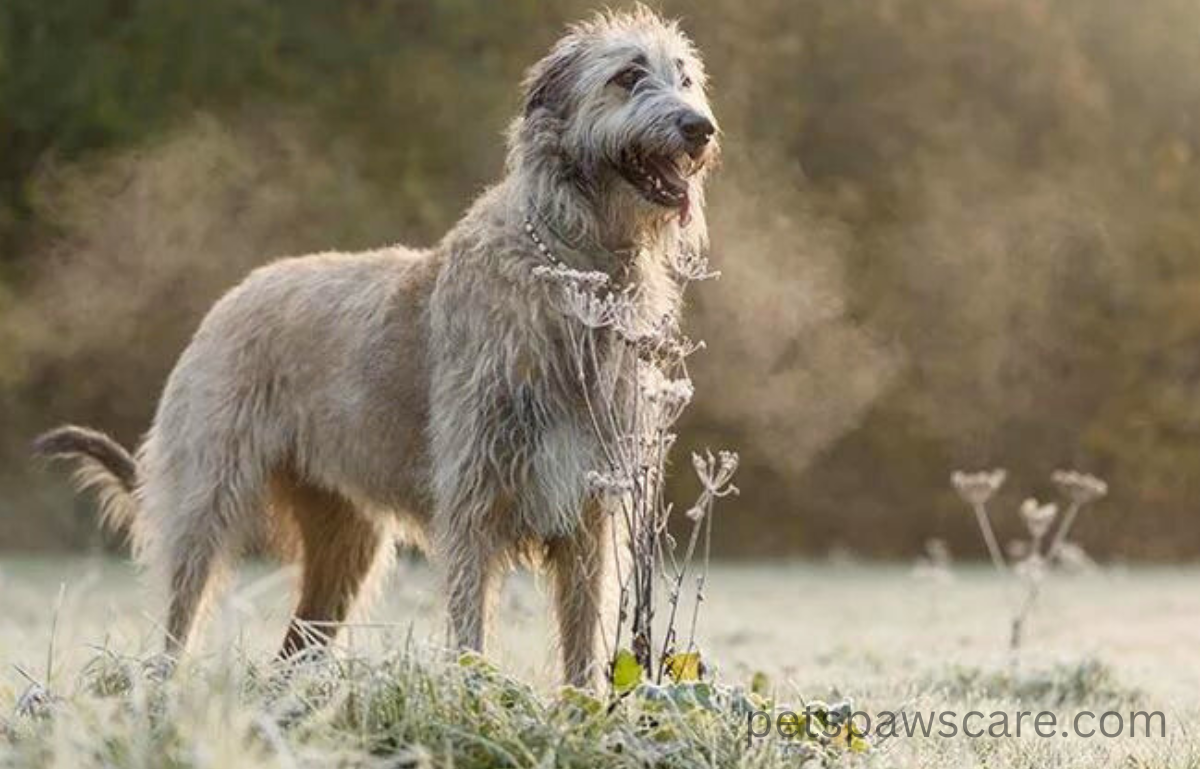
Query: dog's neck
(596, 227)
(645, 270)
(561, 250)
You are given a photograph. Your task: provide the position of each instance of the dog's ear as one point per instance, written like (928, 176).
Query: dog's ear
(547, 84)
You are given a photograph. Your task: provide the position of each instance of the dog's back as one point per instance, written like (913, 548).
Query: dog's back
(312, 368)
(319, 362)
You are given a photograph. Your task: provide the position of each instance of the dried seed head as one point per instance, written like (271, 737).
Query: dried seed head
(715, 473)
(675, 349)
(646, 337)
(594, 309)
(1078, 487)
(1038, 517)
(692, 266)
(608, 484)
(668, 391)
(977, 488)
(666, 397)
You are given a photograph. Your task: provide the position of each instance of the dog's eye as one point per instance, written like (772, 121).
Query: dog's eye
(685, 83)
(629, 77)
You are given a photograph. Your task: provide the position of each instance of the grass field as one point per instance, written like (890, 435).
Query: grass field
(1122, 639)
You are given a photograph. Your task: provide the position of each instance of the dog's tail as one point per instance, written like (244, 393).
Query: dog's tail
(104, 466)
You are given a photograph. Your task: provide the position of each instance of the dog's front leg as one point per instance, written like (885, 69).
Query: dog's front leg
(470, 563)
(580, 569)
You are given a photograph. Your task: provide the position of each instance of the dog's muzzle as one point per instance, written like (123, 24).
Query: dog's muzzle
(662, 176)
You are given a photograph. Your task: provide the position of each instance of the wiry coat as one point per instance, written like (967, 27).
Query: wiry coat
(331, 403)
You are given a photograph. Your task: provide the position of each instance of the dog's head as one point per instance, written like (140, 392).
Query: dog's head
(618, 108)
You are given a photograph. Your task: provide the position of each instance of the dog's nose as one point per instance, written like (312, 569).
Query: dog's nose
(695, 128)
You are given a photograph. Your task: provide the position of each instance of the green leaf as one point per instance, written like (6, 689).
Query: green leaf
(683, 667)
(581, 701)
(475, 661)
(626, 671)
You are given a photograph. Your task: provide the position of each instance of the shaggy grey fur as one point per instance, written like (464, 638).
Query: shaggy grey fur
(334, 402)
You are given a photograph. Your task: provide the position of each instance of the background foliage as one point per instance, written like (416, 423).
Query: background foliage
(952, 234)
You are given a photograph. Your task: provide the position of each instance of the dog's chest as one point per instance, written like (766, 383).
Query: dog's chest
(546, 431)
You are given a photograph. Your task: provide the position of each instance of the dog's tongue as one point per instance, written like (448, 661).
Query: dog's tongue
(685, 210)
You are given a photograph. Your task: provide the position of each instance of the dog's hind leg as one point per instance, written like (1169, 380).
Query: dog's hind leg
(199, 555)
(196, 517)
(194, 578)
(341, 551)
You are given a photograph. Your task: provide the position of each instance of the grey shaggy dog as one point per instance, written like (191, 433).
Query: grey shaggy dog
(334, 403)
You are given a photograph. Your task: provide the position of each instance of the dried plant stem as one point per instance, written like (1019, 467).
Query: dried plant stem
(1034, 576)
(1022, 614)
(701, 580)
(676, 588)
(1064, 529)
(989, 538)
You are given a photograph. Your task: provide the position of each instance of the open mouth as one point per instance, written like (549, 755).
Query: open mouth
(661, 179)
